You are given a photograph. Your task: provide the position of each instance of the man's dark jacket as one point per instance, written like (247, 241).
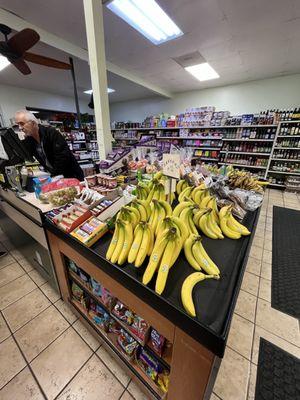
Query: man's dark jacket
(57, 152)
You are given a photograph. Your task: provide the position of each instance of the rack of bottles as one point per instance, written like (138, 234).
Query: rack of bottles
(285, 155)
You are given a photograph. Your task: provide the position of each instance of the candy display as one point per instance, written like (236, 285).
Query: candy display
(127, 344)
(69, 218)
(90, 231)
(157, 341)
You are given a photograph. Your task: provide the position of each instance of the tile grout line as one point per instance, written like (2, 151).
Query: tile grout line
(27, 364)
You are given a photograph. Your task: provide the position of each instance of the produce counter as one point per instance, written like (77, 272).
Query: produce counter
(197, 344)
(21, 218)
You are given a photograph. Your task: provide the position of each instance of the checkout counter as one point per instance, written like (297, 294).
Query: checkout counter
(21, 219)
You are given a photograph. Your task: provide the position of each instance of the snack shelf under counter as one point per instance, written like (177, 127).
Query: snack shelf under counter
(21, 219)
(195, 346)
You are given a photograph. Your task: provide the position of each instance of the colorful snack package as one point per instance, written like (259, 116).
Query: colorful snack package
(157, 341)
(83, 275)
(107, 298)
(139, 327)
(127, 343)
(96, 287)
(120, 311)
(114, 327)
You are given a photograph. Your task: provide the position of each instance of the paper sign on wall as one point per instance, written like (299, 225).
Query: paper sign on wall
(171, 165)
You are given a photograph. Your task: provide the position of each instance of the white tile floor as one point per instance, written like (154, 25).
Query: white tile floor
(38, 332)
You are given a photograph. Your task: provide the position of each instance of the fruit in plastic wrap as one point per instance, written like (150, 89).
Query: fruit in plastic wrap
(59, 197)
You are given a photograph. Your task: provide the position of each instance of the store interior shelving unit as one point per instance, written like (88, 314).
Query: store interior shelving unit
(285, 154)
(250, 147)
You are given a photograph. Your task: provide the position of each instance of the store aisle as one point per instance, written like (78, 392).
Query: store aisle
(38, 333)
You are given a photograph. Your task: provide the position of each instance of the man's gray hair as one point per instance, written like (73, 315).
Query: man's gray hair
(28, 114)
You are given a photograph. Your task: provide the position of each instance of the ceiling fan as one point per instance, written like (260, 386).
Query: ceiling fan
(15, 50)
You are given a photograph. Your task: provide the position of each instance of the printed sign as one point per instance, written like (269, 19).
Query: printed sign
(171, 165)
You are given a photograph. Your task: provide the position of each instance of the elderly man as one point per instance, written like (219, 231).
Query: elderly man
(48, 146)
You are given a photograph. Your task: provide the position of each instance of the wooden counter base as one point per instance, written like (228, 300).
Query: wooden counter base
(191, 364)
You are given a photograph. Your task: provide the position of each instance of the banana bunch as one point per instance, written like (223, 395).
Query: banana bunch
(172, 222)
(187, 290)
(230, 226)
(181, 185)
(185, 212)
(130, 214)
(207, 221)
(186, 193)
(121, 242)
(142, 191)
(166, 250)
(197, 256)
(143, 207)
(142, 244)
(160, 209)
(157, 191)
(244, 180)
(198, 193)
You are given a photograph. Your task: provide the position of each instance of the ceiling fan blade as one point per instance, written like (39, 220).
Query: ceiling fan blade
(23, 41)
(22, 66)
(46, 61)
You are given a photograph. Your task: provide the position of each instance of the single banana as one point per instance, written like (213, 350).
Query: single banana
(193, 228)
(165, 223)
(188, 252)
(146, 205)
(179, 186)
(144, 247)
(119, 245)
(165, 265)
(155, 258)
(128, 238)
(180, 207)
(141, 209)
(203, 260)
(233, 224)
(187, 290)
(223, 211)
(184, 216)
(167, 207)
(138, 235)
(199, 196)
(162, 196)
(158, 175)
(185, 193)
(113, 242)
(151, 241)
(198, 215)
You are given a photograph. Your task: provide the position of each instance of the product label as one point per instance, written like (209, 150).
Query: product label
(171, 165)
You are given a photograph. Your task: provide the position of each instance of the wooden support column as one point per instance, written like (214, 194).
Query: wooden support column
(96, 48)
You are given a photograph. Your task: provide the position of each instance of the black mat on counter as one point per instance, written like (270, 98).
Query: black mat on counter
(278, 374)
(212, 298)
(286, 261)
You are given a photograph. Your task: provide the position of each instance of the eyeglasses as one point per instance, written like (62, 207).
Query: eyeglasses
(21, 124)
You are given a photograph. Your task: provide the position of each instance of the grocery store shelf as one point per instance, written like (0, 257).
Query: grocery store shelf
(196, 127)
(289, 136)
(126, 139)
(205, 147)
(206, 158)
(284, 173)
(247, 140)
(245, 152)
(287, 148)
(169, 137)
(276, 185)
(191, 137)
(285, 159)
(79, 141)
(94, 141)
(242, 165)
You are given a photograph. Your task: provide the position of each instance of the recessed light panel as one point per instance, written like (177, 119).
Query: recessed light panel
(90, 91)
(147, 17)
(202, 72)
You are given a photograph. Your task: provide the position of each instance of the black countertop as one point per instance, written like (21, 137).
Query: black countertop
(214, 300)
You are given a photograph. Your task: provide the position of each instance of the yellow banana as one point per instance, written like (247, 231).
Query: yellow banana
(167, 207)
(134, 211)
(119, 245)
(151, 241)
(179, 186)
(184, 216)
(193, 228)
(204, 202)
(164, 224)
(144, 247)
(213, 226)
(223, 211)
(155, 258)
(233, 224)
(113, 242)
(203, 259)
(180, 207)
(198, 215)
(188, 252)
(138, 235)
(165, 264)
(146, 205)
(185, 193)
(162, 196)
(204, 227)
(158, 175)
(187, 290)
(184, 231)
(128, 238)
(227, 231)
(141, 209)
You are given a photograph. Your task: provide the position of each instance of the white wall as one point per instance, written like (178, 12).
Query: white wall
(249, 97)
(13, 98)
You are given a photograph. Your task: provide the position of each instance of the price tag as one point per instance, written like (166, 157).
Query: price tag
(171, 165)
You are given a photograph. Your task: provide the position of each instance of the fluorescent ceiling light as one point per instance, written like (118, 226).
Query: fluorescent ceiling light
(3, 62)
(202, 72)
(90, 91)
(147, 17)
